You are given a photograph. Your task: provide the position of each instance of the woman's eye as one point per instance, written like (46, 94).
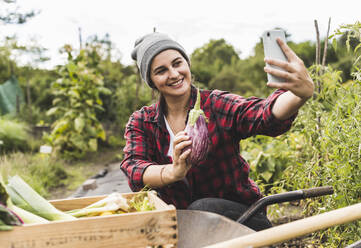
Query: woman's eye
(177, 63)
(159, 72)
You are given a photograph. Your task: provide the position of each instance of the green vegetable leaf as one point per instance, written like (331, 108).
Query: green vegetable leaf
(79, 124)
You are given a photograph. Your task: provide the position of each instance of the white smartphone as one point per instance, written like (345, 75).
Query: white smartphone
(274, 51)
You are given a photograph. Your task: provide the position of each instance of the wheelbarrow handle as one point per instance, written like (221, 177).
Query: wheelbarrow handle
(284, 197)
(318, 191)
(294, 229)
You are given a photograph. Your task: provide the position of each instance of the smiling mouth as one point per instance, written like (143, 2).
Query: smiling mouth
(176, 83)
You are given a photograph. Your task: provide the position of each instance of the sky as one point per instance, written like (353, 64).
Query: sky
(192, 23)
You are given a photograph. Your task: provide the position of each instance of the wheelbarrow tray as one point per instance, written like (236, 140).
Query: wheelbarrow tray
(200, 228)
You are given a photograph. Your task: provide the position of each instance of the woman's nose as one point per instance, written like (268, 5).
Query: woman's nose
(173, 73)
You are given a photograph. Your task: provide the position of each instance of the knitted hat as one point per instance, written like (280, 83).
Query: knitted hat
(150, 45)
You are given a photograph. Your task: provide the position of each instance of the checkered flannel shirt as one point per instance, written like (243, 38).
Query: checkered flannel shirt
(224, 174)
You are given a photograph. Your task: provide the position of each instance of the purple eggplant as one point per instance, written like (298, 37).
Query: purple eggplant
(197, 130)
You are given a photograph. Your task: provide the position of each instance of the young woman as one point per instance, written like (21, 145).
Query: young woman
(155, 136)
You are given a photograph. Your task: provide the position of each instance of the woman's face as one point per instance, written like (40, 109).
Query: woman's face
(170, 73)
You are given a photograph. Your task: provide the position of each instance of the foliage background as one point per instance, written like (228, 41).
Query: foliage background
(322, 148)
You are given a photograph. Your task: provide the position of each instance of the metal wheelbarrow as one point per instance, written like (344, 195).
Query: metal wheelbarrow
(201, 228)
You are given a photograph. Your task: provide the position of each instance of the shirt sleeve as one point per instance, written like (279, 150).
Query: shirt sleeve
(136, 152)
(251, 116)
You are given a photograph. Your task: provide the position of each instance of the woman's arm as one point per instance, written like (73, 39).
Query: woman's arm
(298, 83)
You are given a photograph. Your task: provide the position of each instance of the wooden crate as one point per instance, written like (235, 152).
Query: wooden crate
(140, 229)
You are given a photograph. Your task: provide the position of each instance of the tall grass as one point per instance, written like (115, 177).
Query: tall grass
(42, 172)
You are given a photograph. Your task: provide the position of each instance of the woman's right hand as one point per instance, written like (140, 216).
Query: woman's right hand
(180, 164)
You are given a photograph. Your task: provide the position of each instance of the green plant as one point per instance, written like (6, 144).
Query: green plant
(328, 130)
(353, 40)
(322, 148)
(76, 101)
(329, 124)
(14, 136)
(130, 97)
(268, 158)
(41, 171)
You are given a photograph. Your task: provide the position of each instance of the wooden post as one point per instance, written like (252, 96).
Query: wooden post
(318, 44)
(80, 39)
(326, 43)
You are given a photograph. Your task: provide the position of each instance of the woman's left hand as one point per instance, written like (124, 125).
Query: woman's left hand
(298, 81)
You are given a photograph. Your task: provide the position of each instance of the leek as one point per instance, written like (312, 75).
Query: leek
(23, 215)
(33, 201)
(28, 217)
(113, 202)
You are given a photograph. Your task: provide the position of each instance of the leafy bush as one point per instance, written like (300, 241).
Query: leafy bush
(76, 100)
(268, 158)
(14, 136)
(331, 155)
(130, 100)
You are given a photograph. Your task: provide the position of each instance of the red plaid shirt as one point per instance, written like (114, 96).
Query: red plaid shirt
(224, 174)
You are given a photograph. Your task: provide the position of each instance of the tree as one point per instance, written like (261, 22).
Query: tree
(209, 60)
(13, 16)
(7, 66)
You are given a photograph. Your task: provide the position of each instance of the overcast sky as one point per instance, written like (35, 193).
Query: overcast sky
(191, 22)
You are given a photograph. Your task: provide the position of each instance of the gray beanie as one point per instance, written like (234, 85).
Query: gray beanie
(150, 45)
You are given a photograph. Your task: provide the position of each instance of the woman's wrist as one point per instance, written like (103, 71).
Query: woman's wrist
(163, 182)
(167, 175)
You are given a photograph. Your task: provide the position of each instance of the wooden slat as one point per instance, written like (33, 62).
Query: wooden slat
(81, 202)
